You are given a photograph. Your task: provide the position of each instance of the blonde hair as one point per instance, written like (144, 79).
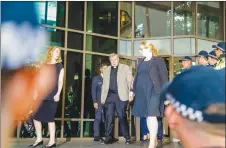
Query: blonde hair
(113, 55)
(50, 54)
(151, 47)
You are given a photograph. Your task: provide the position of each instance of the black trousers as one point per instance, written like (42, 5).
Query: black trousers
(97, 121)
(115, 104)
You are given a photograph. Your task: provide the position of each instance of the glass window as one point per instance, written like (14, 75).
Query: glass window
(75, 40)
(125, 47)
(72, 129)
(152, 19)
(102, 17)
(51, 13)
(100, 44)
(210, 19)
(76, 15)
(125, 19)
(92, 69)
(73, 85)
(184, 18)
(88, 129)
(184, 46)
(163, 46)
(56, 37)
(205, 45)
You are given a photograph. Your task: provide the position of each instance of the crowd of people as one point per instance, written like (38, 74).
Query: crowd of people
(146, 91)
(193, 102)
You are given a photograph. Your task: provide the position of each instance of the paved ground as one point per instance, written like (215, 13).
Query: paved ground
(85, 144)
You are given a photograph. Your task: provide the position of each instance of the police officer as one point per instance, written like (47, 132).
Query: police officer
(212, 59)
(197, 109)
(186, 63)
(203, 58)
(96, 96)
(220, 52)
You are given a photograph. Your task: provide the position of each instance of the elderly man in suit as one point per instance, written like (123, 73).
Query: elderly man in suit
(117, 80)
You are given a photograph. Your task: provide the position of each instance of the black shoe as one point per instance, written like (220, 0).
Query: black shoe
(36, 144)
(98, 139)
(145, 140)
(51, 146)
(107, 141)
(160, 144)
(180, 144)
(128, 141)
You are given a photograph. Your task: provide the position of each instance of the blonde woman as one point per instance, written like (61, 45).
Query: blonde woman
(150, 76)
(47, 109)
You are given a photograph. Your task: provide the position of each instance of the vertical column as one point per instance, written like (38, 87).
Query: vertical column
(193, 9)
(172, 28)
(65, 68)
(83, 70)
(196, 28)
(119, 19)
(148, 23)
(172, 45)
(220, 34)
(133, 27)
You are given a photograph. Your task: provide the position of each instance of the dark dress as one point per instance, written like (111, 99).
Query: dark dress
(146, 102)
(47, 109)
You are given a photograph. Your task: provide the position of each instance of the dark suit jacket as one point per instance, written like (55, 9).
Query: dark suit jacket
(96, 89)
(157, 72)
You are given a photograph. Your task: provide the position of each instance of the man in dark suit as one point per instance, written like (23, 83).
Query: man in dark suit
(96, 96)
(115, 97)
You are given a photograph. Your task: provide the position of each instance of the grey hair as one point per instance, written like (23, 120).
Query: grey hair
(113, 55)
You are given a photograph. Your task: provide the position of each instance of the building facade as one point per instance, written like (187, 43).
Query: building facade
(89, 31)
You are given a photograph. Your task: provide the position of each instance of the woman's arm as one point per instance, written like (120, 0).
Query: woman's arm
(60, 81)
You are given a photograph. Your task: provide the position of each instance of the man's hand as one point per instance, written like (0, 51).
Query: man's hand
(95, 105)
(131, 96)
(56, 97)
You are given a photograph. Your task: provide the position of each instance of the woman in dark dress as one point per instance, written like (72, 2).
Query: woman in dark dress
(150, 76)
(47, 109)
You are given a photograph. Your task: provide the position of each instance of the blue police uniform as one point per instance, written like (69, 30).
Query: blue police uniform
(186, 58)
(205, 55)
(221, 62)
(212, 54)
(97, 83)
